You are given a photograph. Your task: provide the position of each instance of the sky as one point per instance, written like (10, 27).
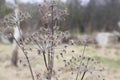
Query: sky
(84, 2)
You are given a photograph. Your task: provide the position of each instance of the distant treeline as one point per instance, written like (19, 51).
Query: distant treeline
(4, 9)
(97, 15)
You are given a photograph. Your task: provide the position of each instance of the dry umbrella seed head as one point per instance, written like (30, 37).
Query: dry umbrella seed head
(48, 40)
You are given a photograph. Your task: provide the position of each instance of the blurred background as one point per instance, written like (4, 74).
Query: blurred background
(84, 15)
(98, 21)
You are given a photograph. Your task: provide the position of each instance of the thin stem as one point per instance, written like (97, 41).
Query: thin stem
(29, 66)
(52, 54)
(45, 61)
(84, 71)
(28, 61)
(80, 62)
(44, 56)
(83, 75)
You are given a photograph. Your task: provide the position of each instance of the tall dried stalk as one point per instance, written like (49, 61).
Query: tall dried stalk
(48, 38)
(26, 56)
(79, 67)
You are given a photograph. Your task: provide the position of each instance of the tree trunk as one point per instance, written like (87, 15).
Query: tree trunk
(17, 37)
(14, 58)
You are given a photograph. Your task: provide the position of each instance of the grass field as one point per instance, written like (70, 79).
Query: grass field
(109, 57)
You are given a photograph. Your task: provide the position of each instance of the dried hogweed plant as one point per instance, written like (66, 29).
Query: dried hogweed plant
(46, 42)
(13, 20)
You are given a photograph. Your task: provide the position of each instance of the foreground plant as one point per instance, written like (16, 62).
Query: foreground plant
(46, 42)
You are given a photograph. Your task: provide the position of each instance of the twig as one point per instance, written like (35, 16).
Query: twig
(81, 62)
(45, 61)
(83, 75)
(26, 59)
(84, 71)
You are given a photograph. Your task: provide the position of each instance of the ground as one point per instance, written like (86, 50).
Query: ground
(109, 57)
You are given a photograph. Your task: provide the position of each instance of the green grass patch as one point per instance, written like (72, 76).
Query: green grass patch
(112, 63)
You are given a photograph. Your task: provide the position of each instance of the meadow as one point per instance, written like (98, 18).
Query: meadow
(109, 58)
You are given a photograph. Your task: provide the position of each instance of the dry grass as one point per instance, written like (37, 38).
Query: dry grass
(110, 57)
